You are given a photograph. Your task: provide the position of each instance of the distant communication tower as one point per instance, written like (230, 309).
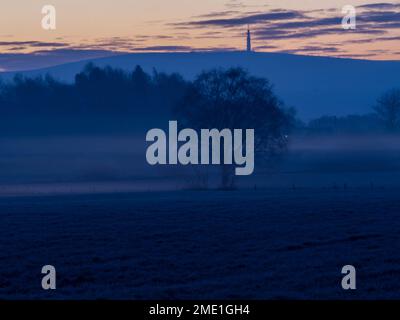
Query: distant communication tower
(248, 39)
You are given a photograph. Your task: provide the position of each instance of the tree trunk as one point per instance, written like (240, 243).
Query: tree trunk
(227, 176)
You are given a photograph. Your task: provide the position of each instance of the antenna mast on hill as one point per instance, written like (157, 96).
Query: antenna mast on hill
(248, 39)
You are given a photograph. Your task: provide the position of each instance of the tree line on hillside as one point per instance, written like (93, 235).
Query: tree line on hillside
(95, 91)
(108, 91)
(383, 118)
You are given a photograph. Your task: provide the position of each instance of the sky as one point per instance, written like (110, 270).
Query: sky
(103, 27)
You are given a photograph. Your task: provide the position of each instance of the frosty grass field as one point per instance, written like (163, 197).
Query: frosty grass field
(253, 244)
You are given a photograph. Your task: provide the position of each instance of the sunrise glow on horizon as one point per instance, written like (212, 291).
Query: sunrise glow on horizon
(299, 27)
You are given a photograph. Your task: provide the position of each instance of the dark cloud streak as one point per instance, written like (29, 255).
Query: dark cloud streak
(249, 19)
(33, 44)
(372, 19)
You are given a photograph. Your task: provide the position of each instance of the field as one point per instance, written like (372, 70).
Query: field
(280, 243)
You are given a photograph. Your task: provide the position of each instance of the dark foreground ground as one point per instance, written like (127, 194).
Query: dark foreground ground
(254, 244)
